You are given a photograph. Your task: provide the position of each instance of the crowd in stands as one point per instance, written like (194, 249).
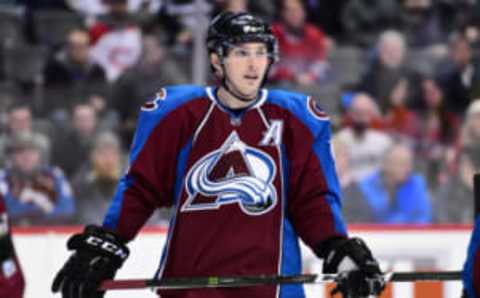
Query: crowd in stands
(400, 80)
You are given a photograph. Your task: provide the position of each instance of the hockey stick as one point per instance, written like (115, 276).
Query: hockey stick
(247, 281)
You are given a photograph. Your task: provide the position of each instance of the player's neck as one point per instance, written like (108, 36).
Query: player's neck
(231, 101)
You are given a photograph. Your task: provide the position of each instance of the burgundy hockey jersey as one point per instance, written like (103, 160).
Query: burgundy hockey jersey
(12, 283)
(244, 185)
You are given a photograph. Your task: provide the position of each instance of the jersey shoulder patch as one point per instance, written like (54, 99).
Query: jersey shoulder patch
(299, 104)
(314, 108)
(172, 96)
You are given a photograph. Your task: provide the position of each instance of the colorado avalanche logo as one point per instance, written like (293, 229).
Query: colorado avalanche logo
(234, 174)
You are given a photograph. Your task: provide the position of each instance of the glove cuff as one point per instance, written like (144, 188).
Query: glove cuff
(355, 250)
(322, 249)
(6, 248)
(97, 240)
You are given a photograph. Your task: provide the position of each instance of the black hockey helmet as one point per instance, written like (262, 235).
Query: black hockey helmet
(230, 28)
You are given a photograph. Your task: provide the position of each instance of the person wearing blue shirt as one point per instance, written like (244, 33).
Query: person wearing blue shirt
(396, 194)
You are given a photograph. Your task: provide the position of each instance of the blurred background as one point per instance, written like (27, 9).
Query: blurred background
(400, 80)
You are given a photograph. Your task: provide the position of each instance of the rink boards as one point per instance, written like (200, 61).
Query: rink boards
(400, 248)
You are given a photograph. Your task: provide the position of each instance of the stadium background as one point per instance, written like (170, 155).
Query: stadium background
(399, 79)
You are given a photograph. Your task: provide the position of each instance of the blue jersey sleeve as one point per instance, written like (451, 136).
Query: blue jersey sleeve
(471, 270)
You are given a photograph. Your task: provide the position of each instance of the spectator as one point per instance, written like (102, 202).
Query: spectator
(303, 47)
(95, 183)
(388, 70)
(366, 146)
(460, 76)
(438, 130)
(20, 120)
(354, 206)
(142, 81)
(363, 20)
(399, 119)
(454, 196)
(117, 40)
(71, 74)
(469, 135)
(396, 194)
(76, 141)
(471, 131)
(34, 193)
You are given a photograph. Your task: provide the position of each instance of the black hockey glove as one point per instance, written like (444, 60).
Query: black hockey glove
(359, 273)
(98, 255)
(6, 248)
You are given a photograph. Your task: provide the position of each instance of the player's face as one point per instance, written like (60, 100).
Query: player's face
(245, 67)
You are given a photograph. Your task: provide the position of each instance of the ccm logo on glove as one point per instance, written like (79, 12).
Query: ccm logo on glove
(107, 246)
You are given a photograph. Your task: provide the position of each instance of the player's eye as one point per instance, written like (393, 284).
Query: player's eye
(241, 53)
(244, 53)
(261, 54)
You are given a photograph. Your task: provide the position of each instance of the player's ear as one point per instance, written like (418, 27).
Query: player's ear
(216, 64)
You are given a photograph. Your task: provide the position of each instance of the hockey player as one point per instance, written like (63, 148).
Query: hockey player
(12, 283)
(471, 270)
(247, 170)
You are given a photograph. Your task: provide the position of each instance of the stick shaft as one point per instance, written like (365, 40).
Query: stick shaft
(245, 281)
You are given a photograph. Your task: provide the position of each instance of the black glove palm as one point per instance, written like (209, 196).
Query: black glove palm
(98, 255)
(359, 273)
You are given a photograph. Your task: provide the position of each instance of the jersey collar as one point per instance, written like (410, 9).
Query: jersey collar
(211, 92)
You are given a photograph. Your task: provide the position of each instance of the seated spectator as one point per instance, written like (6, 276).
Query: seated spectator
(365, 145)
(96, 181)
(20, 120)
(469, 135)
(116, 39)
(471, 130)
(400, 120)
(354, 205)
(76, 141)
(396, 194)
(71, 74)
(455, 198)
(155, 69)
(460, 75)
(388, 70)
(303, 47)
(34, 193)
(438, 130)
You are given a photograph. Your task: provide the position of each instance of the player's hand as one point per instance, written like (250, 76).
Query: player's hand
(359, 273)
(98, 255)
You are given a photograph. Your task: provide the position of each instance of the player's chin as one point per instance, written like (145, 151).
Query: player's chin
(251, 88)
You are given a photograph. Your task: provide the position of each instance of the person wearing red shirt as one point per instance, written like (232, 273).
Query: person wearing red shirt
(303, 47)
